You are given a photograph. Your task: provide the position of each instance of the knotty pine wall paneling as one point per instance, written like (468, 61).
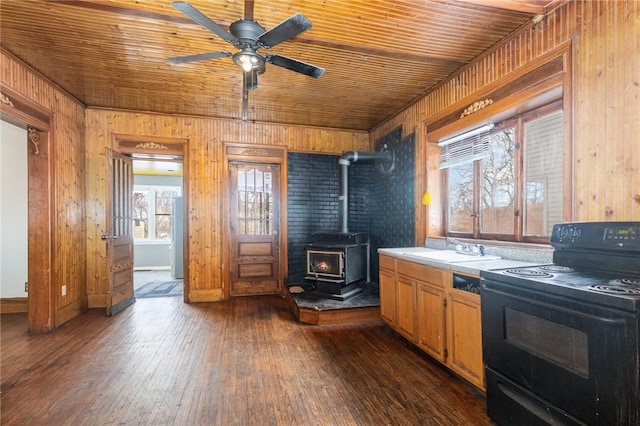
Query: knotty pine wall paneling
(204, 170)
(67, 184)
(604, 38)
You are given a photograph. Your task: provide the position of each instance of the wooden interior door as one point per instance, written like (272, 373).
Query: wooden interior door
(255, 228)
(119, 237)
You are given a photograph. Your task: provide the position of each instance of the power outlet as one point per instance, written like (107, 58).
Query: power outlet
(64, 289)
(26, 287)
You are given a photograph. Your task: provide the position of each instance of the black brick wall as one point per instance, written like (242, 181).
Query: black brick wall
(392, 199)
(382, 206)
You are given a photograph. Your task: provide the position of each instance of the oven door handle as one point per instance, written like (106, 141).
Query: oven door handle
(610, 321)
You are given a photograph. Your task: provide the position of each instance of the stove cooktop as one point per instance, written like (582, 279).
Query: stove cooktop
(605, 288)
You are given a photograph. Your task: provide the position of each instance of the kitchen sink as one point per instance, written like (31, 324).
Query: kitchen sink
(449, 256)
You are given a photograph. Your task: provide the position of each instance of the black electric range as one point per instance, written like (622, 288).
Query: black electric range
(561, 342)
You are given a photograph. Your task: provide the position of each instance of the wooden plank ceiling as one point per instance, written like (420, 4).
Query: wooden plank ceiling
(379, 55)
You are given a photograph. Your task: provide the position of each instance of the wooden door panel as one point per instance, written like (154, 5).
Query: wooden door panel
(255, 248)
(255, 270)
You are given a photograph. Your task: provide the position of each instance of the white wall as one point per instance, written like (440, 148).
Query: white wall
(13, 210)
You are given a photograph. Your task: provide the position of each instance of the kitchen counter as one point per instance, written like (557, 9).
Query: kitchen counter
(462, 263)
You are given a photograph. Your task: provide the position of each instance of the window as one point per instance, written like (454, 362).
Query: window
(255, 202)
(152, 207)
(511, 188)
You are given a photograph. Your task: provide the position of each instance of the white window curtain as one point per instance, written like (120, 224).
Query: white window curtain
(466, 147)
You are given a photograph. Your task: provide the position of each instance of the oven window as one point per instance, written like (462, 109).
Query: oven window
(556, 343)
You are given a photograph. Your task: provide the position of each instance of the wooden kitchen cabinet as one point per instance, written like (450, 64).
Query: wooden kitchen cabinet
(406, 306)
(387, 283)
(431, 320)
(420, 303)
(464, 335)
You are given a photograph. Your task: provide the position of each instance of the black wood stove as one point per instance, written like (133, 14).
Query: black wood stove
(337, 262)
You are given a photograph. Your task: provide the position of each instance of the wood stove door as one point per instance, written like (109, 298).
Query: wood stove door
(255, 228)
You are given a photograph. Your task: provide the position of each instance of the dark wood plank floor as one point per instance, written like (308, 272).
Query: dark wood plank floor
(243, 362)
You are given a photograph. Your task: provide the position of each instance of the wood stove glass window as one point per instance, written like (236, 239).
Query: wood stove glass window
(255, 202)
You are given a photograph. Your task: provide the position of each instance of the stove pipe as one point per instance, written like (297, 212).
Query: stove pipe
(345, 161)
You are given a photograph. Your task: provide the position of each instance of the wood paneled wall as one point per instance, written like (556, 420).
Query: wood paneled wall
(67, 184)
(604, 37)
(204, 198)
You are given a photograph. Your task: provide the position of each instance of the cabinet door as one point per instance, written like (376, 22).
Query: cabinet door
(406, 307)
(388, 296)
(431, 320)
(464, 331)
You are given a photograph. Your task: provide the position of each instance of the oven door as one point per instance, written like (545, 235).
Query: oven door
(579, 359)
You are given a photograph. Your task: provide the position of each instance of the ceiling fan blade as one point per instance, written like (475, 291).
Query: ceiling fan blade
(201, 19)
(285, 30)
(293, 65)
(198, 57)
(250, 79)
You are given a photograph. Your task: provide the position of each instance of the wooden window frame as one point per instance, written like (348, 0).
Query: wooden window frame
(518, 123)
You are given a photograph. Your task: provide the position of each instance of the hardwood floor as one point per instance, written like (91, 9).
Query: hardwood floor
(243, 362)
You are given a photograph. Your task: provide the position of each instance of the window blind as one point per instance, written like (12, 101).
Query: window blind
(465, 148)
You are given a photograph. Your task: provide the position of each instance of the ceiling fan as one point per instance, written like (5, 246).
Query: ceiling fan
(248, 36)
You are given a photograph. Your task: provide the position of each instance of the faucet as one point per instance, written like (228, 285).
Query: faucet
(466, 248)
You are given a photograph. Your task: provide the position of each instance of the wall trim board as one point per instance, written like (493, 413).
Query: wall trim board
(13, 305)
(97, 300)
(73, 309)
(197, 296)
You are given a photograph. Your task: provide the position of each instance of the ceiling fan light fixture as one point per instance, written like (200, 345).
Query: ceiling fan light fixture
(248, 59)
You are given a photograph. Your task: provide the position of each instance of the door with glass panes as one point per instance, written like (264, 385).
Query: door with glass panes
(255, 234)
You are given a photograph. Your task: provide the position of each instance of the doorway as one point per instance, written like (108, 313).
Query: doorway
(13, 218)
(160, 222)
(42, 311)
(157, 229)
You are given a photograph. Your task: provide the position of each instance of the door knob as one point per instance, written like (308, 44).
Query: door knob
(105, 237)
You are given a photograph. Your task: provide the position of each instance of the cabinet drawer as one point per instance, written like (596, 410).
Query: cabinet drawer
(387, 262)
(421, 272)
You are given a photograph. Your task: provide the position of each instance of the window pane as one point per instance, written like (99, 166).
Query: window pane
(543, 203)
(497, 198)
(152, 209)
(163, 227)
(140, 214)
(164, 200)
(255, 204)
(461, 198)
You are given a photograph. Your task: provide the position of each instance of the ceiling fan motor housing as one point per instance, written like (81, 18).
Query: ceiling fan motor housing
(247, 33)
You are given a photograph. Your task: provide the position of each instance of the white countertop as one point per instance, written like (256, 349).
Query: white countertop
(469, 264)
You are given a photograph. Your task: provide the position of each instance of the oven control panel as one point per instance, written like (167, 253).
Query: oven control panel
(597, 235)
(621, 234)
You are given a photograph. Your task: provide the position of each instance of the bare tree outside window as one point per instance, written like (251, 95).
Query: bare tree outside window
(140, 214)
(497, 199)
(461, 198)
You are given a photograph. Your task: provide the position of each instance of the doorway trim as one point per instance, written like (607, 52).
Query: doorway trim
(274, 154)
(42, 299)
(164, 146)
